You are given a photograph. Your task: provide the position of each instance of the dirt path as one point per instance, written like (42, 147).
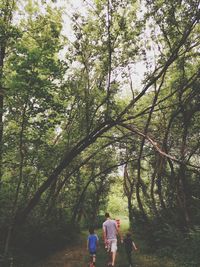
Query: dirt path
(64, 258)
(69, 257)
(77, 256)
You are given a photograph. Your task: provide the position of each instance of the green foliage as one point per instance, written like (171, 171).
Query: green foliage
(168, 241)
(117, 204)
(66, 126)
(188, 251)
(42, 236)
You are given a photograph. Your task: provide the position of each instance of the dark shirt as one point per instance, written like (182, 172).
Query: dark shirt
(128, 243)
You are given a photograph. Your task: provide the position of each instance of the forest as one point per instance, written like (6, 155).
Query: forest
(97, 101)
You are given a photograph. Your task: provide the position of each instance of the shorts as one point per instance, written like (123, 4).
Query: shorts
(93, 253)
(112, 245)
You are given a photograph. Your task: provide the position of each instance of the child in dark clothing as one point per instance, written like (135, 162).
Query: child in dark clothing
(129, 246)
(92, 243)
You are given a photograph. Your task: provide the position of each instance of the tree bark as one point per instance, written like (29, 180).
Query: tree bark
(128, 190)
(153, 177)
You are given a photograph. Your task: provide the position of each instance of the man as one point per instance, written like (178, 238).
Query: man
(110, 232)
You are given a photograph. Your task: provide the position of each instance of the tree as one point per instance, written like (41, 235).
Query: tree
(59, 110)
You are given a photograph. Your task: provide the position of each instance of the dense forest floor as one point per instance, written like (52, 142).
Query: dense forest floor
(77, 256)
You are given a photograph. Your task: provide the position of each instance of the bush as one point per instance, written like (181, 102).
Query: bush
(42, 236)
(167, 240)
(188, 251)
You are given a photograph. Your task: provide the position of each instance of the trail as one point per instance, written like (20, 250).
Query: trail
(77, 256)
(65, 258)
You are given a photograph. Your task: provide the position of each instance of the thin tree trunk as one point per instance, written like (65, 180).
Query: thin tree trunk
(2, 56)
(154, 208)
(139, 201)
(128, 189)
(181, 189)
(109, 22)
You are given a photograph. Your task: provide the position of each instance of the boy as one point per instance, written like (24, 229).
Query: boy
(129, 246)
(92, 243)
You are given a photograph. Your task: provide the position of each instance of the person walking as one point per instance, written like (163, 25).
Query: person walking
(110, 233)
(129, 247)
(92, 244)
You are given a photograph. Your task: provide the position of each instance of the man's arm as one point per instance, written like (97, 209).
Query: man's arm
(104, 235)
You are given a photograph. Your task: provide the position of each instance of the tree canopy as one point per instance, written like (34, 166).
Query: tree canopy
(72, 112)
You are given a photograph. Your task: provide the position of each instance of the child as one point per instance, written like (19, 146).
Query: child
(92, 243)
(129, 246)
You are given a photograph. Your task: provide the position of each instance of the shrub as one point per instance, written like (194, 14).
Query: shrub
(188, 251)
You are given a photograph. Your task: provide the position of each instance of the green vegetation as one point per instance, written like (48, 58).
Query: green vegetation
(80, 135)
(141, 257)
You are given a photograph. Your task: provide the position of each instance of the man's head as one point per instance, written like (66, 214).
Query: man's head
(107, 215)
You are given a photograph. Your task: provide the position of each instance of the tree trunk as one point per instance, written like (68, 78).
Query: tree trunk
(2, 56)
(139, 201)
(20, 179)
(154, 208)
